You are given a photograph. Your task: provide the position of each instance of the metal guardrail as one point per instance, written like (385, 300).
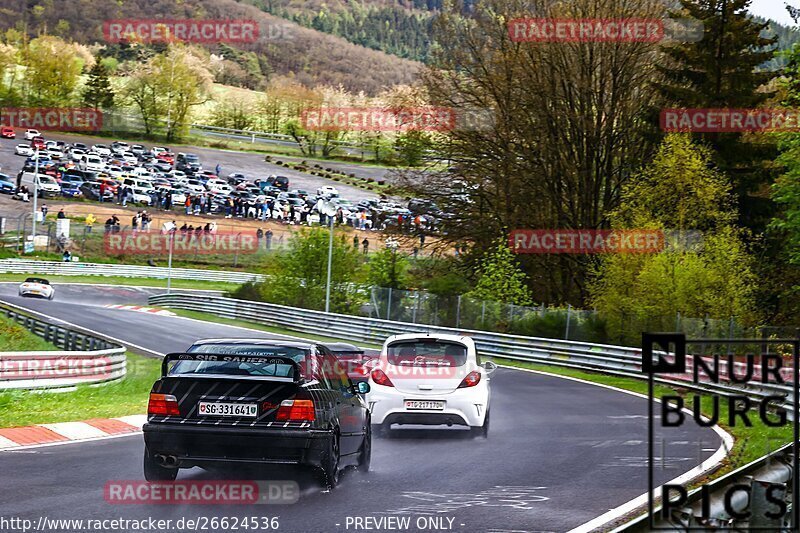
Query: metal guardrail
(615, 360)
(84, 359)
(58, 268)
(774, 469)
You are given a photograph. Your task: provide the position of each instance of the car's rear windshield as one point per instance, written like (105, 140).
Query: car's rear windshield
(235, 368)
(426, 353)
(37, 280)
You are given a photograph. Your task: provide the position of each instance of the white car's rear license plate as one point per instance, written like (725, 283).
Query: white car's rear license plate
(424, 404)
(227, 409)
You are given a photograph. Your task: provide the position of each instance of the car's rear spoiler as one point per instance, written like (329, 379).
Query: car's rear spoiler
(233, 358)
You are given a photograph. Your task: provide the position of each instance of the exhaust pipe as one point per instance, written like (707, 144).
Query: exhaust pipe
(166, 460)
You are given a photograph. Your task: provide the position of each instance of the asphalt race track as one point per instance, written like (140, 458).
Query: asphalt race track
(559, 453)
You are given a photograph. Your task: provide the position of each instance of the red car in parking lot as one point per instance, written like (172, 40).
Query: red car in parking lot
(7, 133)
(38, 143)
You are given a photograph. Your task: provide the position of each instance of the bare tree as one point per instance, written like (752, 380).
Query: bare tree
(570, 125)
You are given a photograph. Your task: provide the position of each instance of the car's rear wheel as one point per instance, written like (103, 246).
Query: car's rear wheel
(365, 455)
(52, 295)
(482, 431)
(155, 472)
(329, 473)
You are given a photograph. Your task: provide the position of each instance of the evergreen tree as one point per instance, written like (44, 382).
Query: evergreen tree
(720, 71)
(98, 92)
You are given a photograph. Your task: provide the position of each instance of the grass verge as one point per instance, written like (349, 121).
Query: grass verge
(125, 397)
(750, 443)
(143, 282)
(15, 338)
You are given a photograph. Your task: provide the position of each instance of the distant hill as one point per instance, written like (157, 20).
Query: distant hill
(309, 56)
(397, 28)
(787, 37)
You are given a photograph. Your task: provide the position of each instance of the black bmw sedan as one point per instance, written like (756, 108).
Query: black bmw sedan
(230, 401)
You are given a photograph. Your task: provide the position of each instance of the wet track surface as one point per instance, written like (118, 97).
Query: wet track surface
(559, 452)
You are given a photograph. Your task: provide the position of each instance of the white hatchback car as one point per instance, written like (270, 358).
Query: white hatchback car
(430, 380)
(24, 149)
(37, 287)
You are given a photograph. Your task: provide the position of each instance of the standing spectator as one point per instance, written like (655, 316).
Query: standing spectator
(259, 236)
(203, 203)
(188, 204)
(355, 242)
(109, 224)
(291, 213)
(61, 214)
(168, 201)
(135, 221)
(268, 236)
(196, 204)
(228, 207)
(146, 221)
(90, 220)
(44, 211)
(218, 169)
(421, 239)
(365, 244)
(102, 190)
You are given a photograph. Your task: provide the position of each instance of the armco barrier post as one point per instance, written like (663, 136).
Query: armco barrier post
(569, 314)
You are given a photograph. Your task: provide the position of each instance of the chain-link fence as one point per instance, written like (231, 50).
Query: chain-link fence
(420, 307)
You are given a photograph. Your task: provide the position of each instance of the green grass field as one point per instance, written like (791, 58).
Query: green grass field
(125, 397)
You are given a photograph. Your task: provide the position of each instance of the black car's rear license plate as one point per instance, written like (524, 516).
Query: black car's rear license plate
(227, 409)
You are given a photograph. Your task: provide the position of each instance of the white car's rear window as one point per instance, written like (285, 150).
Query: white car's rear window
(426, 353)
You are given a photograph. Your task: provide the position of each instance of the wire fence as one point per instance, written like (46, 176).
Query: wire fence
(461, 311)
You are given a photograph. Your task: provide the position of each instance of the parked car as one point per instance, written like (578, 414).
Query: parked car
(7, 184)
(91, 190)
(273, 402)
(328, 191)
(188, 163)
(91, 162)
(46, 185)
(31, 134)
(70, 189)
(7, 133)
(102, 150)
(24, 149)
(282, 182)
